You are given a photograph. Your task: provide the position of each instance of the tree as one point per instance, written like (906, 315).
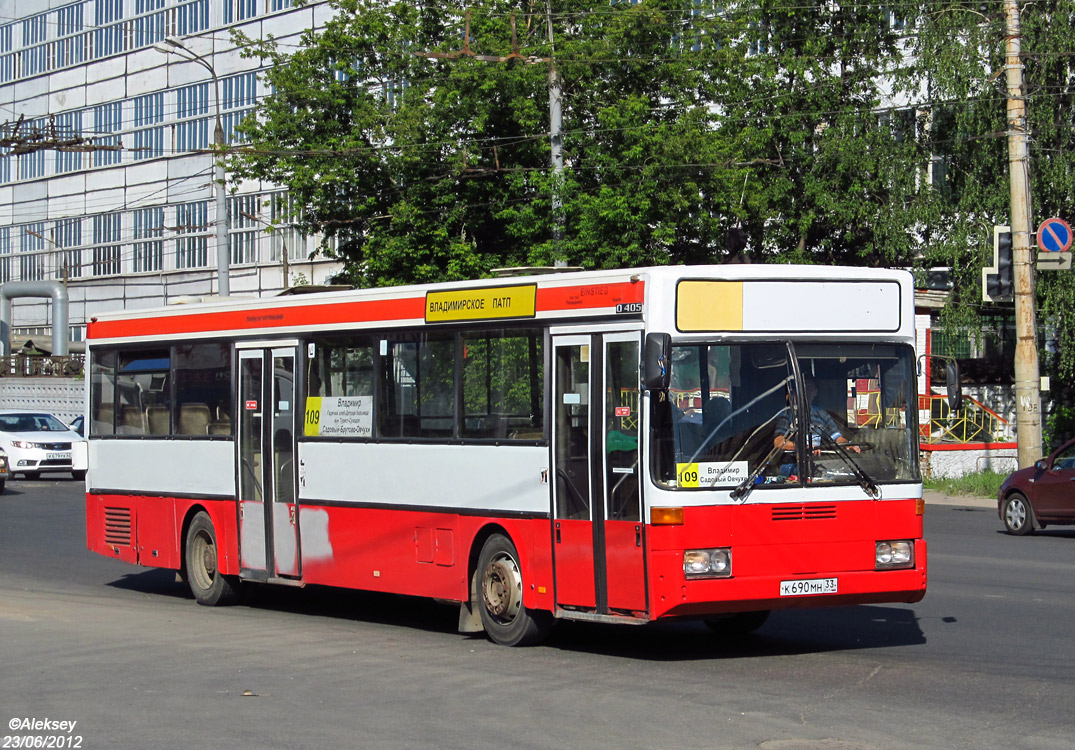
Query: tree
(691, 134)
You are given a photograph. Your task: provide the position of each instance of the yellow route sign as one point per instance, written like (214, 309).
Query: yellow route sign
(489, 303)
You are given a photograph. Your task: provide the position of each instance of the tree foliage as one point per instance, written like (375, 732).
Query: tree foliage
(689, 135)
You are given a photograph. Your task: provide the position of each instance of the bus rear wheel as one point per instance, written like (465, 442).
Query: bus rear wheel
(500, 597)
(209, 586)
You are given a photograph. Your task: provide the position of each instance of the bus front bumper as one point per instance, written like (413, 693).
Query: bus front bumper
(673, 594)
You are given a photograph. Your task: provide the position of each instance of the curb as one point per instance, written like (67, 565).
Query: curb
(940, 498)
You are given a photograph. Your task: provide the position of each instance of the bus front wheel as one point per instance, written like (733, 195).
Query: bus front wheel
(209, 586)
(500, 597)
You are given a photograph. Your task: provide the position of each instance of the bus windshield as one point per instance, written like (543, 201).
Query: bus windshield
(776, 414)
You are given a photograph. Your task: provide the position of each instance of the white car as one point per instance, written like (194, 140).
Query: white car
(37, 442)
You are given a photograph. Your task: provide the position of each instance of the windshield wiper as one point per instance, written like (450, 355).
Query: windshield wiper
(865, 481)
(743, 488)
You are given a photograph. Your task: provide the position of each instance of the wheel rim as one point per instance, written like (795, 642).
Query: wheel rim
(1015, 515)
(502, 588)
(204, 559)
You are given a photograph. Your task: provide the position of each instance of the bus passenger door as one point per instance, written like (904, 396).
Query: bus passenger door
(268, 514)
(573, 527)
(598, 544)
(624, 540)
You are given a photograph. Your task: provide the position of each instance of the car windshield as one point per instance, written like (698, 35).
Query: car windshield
(30, 423)
(732, 416)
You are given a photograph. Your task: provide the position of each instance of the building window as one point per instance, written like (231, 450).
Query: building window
(192, 244)
(71, 42)
(192, 102)
(148, 247)
(108, 36)
(286, 240)
(239, 94)
(106, 256)
(239, 10)
(67, 234)
(31, 255)
(107, 118)
(5, 255)
(191, 17)
(68, 127)
(275, 5)
(243, 229)
(7, 57)
(148, 26)
(5, 166)
(148, 111)
(32, 164)
(34, 52)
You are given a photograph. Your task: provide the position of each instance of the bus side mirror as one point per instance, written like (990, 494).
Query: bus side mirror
(658, 355)
(951, 380)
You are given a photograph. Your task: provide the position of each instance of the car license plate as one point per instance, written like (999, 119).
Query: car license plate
(58, 456)
(808, 586)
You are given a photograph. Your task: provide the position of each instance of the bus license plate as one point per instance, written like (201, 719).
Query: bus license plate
(809, 586)
(58, 456)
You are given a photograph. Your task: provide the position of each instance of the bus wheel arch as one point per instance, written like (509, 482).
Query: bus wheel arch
(209, 586)
(496, 592)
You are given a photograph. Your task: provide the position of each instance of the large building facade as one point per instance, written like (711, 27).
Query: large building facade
(106, 170)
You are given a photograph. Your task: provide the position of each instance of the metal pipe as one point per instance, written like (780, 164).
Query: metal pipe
(60, 320)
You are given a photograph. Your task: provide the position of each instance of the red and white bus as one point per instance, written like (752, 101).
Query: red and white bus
(618, 446)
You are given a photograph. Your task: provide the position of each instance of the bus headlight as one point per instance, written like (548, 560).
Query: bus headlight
(894, 555)
(708, 563)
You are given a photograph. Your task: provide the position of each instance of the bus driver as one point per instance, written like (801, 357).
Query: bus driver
(820, 423)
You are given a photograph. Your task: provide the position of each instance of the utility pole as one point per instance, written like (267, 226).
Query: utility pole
(556, 143)
(1027, 374)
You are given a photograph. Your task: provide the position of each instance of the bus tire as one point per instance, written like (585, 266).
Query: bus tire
(500, 597)
(741, 623)
(210, 587)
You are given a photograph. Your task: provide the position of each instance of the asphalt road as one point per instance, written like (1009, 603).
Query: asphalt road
(986, 660)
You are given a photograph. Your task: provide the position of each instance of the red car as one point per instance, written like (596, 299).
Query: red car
(1041, 494)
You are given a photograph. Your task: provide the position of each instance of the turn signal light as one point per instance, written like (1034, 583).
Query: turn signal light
(666, 516)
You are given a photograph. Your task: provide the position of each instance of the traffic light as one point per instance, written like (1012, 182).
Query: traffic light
(997, 281)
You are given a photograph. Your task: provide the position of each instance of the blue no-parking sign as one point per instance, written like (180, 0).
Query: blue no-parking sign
(1054, 236)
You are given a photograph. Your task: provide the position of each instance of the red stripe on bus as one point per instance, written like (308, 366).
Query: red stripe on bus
(549, 299)
(589, 296)
(266, 318)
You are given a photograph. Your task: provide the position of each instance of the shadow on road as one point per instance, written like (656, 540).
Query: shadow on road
(786, 633)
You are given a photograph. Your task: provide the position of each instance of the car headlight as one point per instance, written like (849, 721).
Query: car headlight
(894, 555)
(24, 444)
(708, 563)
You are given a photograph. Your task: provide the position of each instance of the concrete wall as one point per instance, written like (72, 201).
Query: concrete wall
(954, 463)
(64, 397)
